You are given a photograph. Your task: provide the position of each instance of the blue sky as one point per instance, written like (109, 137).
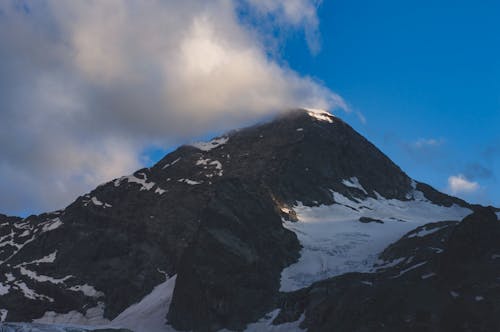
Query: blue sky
(93, 90)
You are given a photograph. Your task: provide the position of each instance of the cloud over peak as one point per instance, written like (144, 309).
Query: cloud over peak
(422, 143)
(87, 85)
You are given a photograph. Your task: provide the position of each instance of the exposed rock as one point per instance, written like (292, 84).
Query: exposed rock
(368, 219)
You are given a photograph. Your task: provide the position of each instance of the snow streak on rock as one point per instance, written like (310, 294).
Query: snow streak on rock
(207, 146)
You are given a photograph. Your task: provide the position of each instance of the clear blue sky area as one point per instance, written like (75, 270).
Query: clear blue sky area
(426, 77)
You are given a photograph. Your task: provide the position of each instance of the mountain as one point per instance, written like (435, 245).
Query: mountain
(299, 222)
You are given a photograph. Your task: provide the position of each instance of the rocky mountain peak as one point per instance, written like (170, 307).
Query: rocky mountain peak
(300, 155)
(227, 229)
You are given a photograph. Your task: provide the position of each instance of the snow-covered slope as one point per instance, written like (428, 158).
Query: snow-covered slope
(149, 315)
(349, 235)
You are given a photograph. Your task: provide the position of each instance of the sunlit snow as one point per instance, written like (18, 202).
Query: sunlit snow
(319, 114)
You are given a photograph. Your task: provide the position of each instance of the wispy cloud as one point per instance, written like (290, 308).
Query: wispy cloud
(477, 170)
(86, 85)
(361, 117)
(458, 184)
(422, 143)
(295, 13)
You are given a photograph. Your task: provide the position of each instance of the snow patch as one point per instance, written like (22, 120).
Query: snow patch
(202, 161)
(190, 182)
(413, 267)
(50, 258)
(334, 241)
(172, 163)
(436, 250)
(354, 183)
(498, 215)
(3, 314)
(2, 239)
(426, 231)
(93, 316)
(266, 324)
(41, 278)
(30, 293)
(159, 191)
(388, 264)
(478, 298)
(134, 179)
(51, 225)
(97, 202)
(213, 163)
(19, 246)
(428, 275)
(207, 146)
(285, 210)
(217, 164)
(149, 315)
(4, 289)
(319, 114)
(87, 290)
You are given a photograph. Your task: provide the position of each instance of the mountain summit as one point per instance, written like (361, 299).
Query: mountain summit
(296, 221)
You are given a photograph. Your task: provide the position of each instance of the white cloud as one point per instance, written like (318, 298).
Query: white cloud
(361, 117)
(295, 13)
(86, 85)
(460, 184)
(427, 142)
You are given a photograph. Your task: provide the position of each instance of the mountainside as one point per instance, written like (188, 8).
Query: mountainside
(286, 222)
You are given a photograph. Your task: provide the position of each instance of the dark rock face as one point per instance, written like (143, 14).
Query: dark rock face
(212, 214)
(446, 280)
(368, 219)
(301, 158)
(230, 273)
